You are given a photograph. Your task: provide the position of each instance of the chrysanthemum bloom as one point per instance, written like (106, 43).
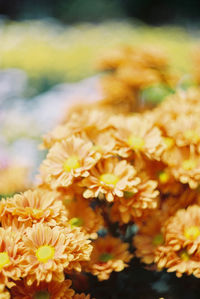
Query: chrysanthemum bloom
(87, 122)
(12, 260)
(109, 254)
(50, 250)
(134, 204)
(181, 250)
(13, 179)
(110, 177)
(37, 206)
(185, 167)
(67, 160)
(4, 294)
(139, 134)
(149, 237)
(51, 290)
(185, 130)
(80, 214)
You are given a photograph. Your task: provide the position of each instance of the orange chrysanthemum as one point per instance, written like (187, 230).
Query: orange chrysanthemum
(134, 204)
(87, 122)
(109, 254)
(13, 179)
(67, 160)
(110, 177)
(38, 206)
(139, 134)
(12, 258)
(82, 215)
(181, 249)
(149, 237)
(51, 250)
(51, 290)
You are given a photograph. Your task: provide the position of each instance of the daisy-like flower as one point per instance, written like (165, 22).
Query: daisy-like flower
(134, 204)
(140, 135)
(37, 206)
(80, 214)
(12, 261)
(67, 160)
(185, 167)
(181, 250)
(109, 254)
(51, 290)
(149, 237)
(110, 177)
(4, 294)
(51, 250)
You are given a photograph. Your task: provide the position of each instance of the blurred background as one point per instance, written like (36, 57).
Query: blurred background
(48, 60)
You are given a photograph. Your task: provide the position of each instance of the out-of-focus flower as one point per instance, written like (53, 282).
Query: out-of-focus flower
(149, 237)
(80, 214)
(13, 179)
(50, 250)
(138, 134)
(135, 204)
(12, 256)
(109, 254)
(110, 177)
(30, 207)
(180, 250)
(53, 290)
(68, 160)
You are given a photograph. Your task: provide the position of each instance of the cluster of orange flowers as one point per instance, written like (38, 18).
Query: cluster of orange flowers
(102, 168)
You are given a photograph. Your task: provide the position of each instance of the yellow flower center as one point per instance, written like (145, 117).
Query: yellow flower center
(71, 163)
(189, 164)
(109, 179)
(192, 232)
(37, 211)
(184, 255)
(169, 142)
(192, 136)
(163, 177)
(105, 257)
(76, 222)
(42, 295)
(45, 253)
(136, 143)
(158, 240)
(4, 259)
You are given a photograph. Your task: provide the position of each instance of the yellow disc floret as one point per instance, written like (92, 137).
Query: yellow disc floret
(191, 136)
(4, 259)
(184, 255)
(169, 142)
(45, 253)
(71, 163)
(109, 179)
(189, 164)
(76, 222)
(163, 177)
(136, 143)
(192, 232)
